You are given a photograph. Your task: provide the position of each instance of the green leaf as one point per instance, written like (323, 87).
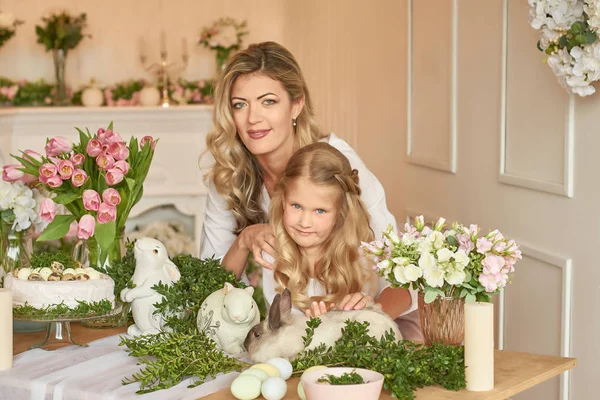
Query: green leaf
(539, 46)
(562, 42)
(66, 198)
(590, 37)
(105, 234)
(110, 126)
(470, 298)
(130, 183)
(452, 240)
(430, 295)
(57, 229)
(577, 27)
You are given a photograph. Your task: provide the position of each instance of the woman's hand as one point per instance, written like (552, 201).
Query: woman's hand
(257, 238)
(318, 309)
(355, 301)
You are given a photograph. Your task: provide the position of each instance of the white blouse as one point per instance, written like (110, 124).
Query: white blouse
(219, 222)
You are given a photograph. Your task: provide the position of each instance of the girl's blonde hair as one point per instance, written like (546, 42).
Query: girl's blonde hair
(236, 173)
(338, 269)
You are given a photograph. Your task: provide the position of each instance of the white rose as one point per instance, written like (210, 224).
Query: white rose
(434, 277)
(384, 265)
(461, 259)
(408, 239)
(394, 238)
(456, 277)
(399, 275)
(425, 245)
(427, 261)
(444, 255)
(437, 239)
(412, 272)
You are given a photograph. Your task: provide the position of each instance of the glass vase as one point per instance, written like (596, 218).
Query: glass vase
(222, 57)
(89, 253)
(443, 320)
(16, 247)
(61, 96)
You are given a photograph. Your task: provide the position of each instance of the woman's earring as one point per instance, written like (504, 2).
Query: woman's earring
(294, 122)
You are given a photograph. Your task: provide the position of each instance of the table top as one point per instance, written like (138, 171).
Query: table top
(514, 371)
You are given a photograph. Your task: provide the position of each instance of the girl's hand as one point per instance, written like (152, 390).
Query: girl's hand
(258, 238)
(318, 309)
(355, 301)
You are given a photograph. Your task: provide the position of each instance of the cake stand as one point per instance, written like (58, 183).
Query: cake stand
(59, 327)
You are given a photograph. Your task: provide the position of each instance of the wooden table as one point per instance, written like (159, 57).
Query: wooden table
(514, 371)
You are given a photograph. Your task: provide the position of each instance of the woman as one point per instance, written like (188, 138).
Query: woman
(262, 114)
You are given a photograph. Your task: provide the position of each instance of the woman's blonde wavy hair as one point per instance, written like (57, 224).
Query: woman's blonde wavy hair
(338, 269)
(236, 173)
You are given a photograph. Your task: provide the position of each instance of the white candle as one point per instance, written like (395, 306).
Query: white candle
(479, 346)
(6, 329)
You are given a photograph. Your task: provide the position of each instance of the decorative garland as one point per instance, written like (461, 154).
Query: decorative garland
(55, 311)
(569, 36)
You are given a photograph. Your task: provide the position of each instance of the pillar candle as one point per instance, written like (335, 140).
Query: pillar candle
(479, 346)
(6, 329)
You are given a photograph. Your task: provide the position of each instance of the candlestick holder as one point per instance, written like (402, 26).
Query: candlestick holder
(164, 69)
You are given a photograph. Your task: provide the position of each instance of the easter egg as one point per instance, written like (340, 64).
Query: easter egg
(300, 387)
(268, 368)
(246, 387)
(274, 388)
(259, 373)
(283, 365)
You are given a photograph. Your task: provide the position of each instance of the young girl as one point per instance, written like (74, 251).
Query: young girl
(318, 221)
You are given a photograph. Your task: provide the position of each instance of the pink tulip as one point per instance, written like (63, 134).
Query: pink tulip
(53, 182)
(47, 171)
(77, 159)
(122, 165)
(48, 210)
(111, 196)
(32, 156)
(12, 172)
(91, 200)
(105, 161)
(87, 226)
(118, 150)
(93, 148)
(109, 137)
(79, 177)
(114, 176)
(58, 145)
(65, 169)
(149, 139)
(73, 228)
(106, 213)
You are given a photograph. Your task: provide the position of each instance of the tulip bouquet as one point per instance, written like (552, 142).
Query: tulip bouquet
(98, 180)
(456, 262)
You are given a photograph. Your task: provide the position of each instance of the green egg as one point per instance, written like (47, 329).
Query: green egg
(246, 387)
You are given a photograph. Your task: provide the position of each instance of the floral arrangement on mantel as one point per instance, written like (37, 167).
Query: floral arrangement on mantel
(457, 262)
(224, 35)
(569, 37)
(8, 26)
(98, 180)
(26, 93)
(61, 31)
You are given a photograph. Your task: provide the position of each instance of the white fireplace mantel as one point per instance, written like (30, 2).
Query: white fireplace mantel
(174, 178)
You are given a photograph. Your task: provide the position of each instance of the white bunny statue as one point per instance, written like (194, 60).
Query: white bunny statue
(227, 315)
(152, 265)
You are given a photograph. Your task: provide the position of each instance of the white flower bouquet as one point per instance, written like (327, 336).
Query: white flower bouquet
(456, 262)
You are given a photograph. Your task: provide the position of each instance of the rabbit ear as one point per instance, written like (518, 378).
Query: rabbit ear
(274, 315)
(285, 304)
(249, 289)
(228, 287)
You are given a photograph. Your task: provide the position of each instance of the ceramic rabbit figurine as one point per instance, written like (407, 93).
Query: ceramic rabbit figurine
(152, 265)
(227, 315)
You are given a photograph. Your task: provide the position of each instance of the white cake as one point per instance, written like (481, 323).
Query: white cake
(40, 294)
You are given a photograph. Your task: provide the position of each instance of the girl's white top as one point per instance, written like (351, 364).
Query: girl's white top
(219, 222)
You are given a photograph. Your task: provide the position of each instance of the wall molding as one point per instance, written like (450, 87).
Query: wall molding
(565, 265)
(450, 165)
(562, 189)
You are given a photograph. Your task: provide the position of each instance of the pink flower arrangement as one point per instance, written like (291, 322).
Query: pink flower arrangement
(93, 179)
(454, 262)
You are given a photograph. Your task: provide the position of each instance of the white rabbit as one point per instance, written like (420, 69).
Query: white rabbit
(152, 265)
(227, 315)
(280, 335)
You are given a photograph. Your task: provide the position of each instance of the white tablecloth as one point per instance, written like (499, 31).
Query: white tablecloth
(94, 372)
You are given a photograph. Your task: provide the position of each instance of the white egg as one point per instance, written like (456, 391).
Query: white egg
(92, 273)
(274, 388)
(259, 373)
(24, 274)
(69, 271)
(283, 365)
(45, 273)
(245, 387)
(77, 271)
